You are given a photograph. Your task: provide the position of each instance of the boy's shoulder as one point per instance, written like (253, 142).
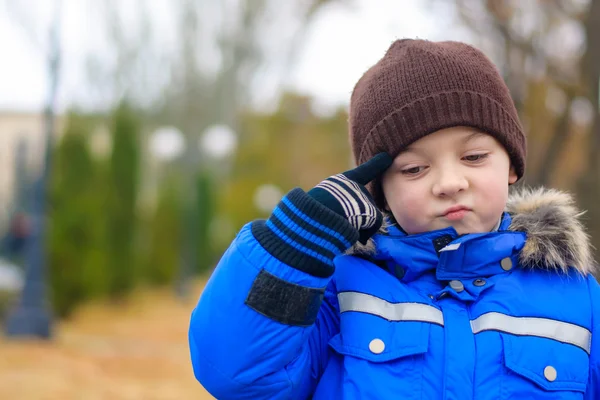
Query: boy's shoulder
(556, 237)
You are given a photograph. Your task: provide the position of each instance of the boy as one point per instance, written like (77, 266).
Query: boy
(431, 284)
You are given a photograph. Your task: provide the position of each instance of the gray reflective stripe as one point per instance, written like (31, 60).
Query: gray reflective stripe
(365, 303)
(530, 326)
(525, 326)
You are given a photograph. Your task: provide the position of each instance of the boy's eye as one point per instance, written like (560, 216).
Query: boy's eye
(475, 157)
(412, 170)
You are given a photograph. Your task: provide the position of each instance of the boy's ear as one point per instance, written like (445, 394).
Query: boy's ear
(512, 175)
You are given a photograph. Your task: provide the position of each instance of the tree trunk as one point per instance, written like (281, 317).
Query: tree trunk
(589, 185)
(557, 144)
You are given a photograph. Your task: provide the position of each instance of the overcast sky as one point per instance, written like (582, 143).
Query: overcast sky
(342, 43)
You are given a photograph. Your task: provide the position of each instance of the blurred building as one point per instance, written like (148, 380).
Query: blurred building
(14, 127)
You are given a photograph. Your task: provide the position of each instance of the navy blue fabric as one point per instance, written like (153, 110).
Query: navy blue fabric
(304, 234)
(284, 302)
(239, 353)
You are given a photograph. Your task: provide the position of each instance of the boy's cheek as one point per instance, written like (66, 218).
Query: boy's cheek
(403, 200)
(407, 206)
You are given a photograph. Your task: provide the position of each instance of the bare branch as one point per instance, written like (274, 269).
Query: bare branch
(526, 45)
(557, 144)
(566, 9)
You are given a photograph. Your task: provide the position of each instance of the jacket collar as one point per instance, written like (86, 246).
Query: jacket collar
(540, 229)
(450, 255)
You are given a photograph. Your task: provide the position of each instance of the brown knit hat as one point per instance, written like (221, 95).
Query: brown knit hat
(419, 87)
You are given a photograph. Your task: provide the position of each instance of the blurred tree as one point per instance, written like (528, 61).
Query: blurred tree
(218, 54)
(164, 231)
(120, 214)
(92, 232)
(164, 235)
(541, 70)
(76, 221)
(589, 183)
(206, 208)
(237, 35)
(206, 75)
(291, 147)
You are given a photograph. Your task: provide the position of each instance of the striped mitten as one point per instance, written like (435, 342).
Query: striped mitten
(347, 195)
(308, 230)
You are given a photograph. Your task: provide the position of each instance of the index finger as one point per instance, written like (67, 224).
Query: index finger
(371, 169)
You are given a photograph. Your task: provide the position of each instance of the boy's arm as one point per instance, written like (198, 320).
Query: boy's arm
(261, 327)
(593, 388)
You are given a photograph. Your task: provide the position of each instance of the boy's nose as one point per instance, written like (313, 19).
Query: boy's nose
(449, 183)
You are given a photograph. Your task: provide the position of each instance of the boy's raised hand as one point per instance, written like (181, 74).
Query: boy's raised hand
(347, 195)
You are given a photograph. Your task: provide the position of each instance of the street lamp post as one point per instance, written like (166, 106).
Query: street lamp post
(31, 315)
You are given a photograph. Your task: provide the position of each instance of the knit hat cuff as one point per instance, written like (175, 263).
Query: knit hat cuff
(442, 110)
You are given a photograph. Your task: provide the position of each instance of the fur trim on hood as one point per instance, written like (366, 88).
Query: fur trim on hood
(556, 238)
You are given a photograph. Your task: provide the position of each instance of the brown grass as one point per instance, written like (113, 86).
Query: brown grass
(136, 350)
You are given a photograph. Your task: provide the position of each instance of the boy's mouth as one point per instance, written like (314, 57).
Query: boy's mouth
(456, 213)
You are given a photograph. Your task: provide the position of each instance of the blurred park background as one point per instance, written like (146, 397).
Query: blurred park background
(137, 137)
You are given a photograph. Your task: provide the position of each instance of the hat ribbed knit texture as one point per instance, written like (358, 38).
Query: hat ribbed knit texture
(419, 87)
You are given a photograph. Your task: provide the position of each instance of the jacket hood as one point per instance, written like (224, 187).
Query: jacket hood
(556, 237)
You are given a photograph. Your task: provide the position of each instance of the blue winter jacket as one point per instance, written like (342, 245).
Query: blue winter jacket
(510, 314)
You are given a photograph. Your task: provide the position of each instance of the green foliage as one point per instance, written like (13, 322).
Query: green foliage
(292, 147)
(7, 300)
(76, 259)
(123, 170)
(164, 236)
(100, 246)
(204, 211)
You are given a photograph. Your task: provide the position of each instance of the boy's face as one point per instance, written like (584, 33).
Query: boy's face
(455, 177)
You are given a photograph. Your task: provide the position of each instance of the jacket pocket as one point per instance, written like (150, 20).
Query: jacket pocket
(535, 364)
(412, 338)
(382, 360)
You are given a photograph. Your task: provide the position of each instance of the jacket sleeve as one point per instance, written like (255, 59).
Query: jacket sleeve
(593, 388)
(261, 326)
